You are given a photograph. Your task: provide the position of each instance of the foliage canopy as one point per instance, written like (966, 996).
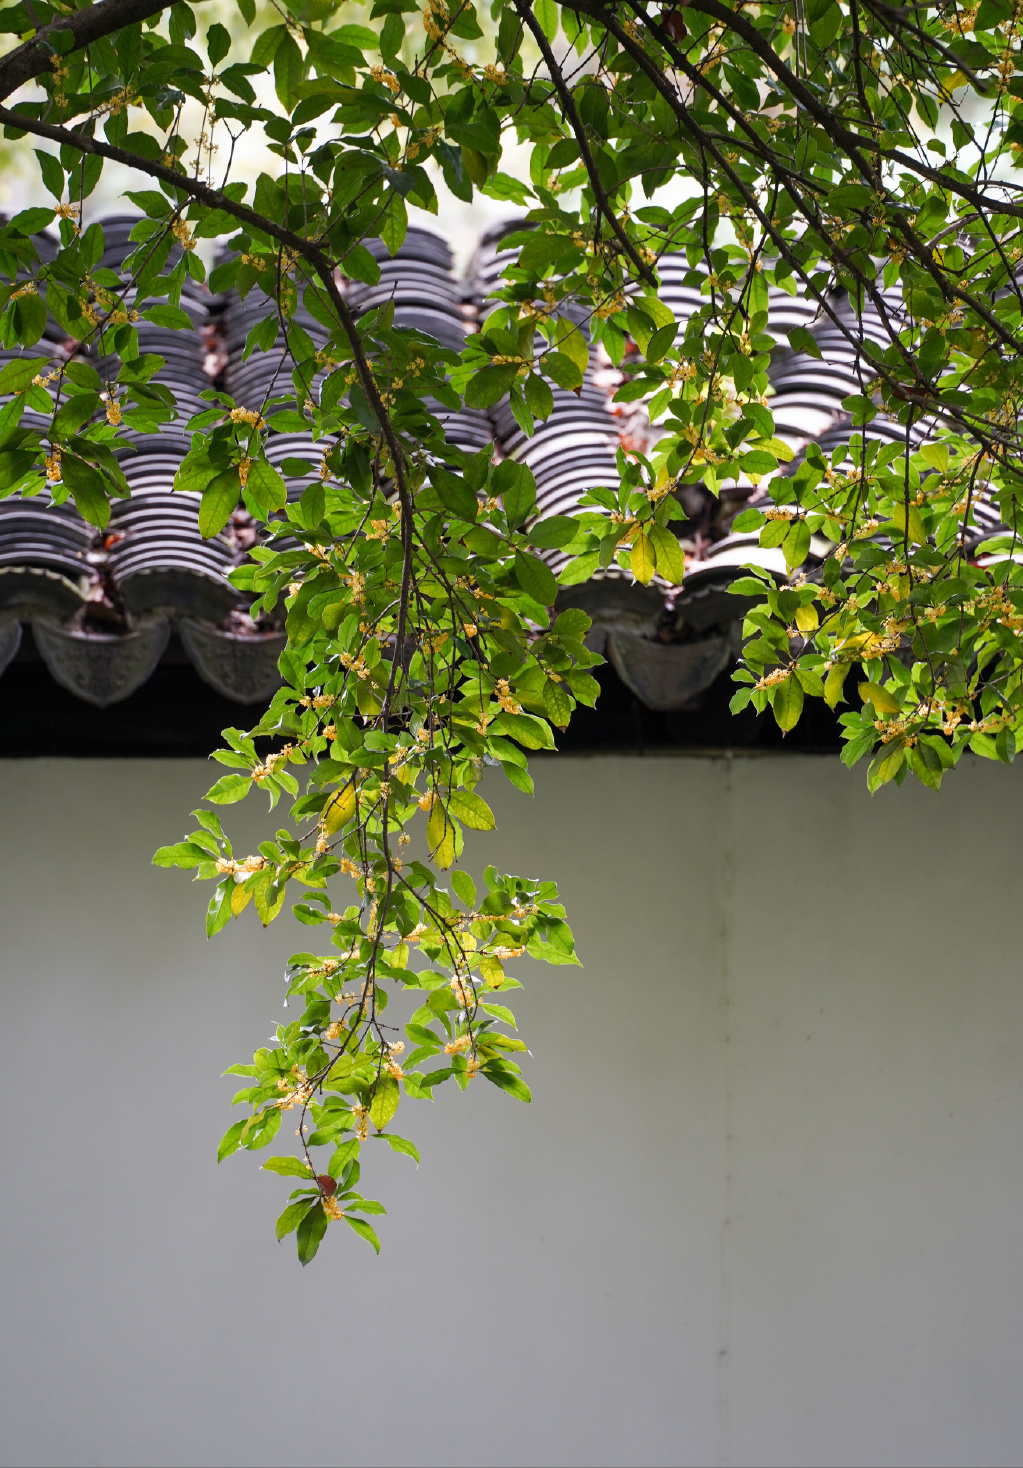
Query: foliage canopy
(858, 152)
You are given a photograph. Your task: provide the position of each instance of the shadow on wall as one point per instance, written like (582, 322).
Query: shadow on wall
(765, 1207)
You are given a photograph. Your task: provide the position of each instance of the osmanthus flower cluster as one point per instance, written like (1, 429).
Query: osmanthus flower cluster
(854, 153)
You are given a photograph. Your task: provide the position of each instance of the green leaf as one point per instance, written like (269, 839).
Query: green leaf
(926, 765)
(525, 730)
(228, 789)
(572, 343)
(472, 810)
(16, 376)
(796, 545)
(77, 411)
(184, 854)
(265, 491)
(31, 221)
(171, 316)
(539, 398)
(886, 765)
(861, 408)
(465, 888)
(660, 341)
(53, 174)
(399, 1144)
(342, 1155)
(489, 385)
(516, 488)
(454, 494)
(500, 1011)
(546, 12)
(579, 570)
(562, 370)
(536, 579)
(364, 1230)
(310, 1232)
(557, 703)
(88, 488)
(230, 1141)
(289, 69)
(218, 914)
(758, 461)
(912, 519)
(802, 340)
(263, 1129)
(508, 1081)
(787, 703)
(394, 225)
(219, 502)
(218, 42)
(553, 533)
(288, 1167)
(292, 1216)
(810, 681)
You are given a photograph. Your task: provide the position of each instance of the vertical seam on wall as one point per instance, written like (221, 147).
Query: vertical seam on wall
(727, 886)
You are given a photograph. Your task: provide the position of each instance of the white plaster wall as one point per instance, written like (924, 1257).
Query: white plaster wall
(772, 1217)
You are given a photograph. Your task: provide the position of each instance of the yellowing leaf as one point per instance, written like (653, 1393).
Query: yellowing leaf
(440, 834)
(883, 701)
(642, 560)
(671, 561)
(385, 1101)
(339, 809)
(269, 898)
(807, 619)
(887, 764)
(491, 970)
(834, 683)
(936, 454)
(778, 447)
(239, 898)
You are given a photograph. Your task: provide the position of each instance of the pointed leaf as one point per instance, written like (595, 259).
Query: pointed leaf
(364, 1230)
(787, 702)
(310, 1232)
(642, 560)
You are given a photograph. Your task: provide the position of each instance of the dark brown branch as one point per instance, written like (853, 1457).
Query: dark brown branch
(704, 141)
(852, 143)
(576, 124)
(214, 199)
(37, 56)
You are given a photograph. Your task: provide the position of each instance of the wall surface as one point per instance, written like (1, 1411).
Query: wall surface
(766, 1206)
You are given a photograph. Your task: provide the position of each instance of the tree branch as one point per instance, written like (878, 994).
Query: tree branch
(37, 55)
(576, 124)
(214, 199)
